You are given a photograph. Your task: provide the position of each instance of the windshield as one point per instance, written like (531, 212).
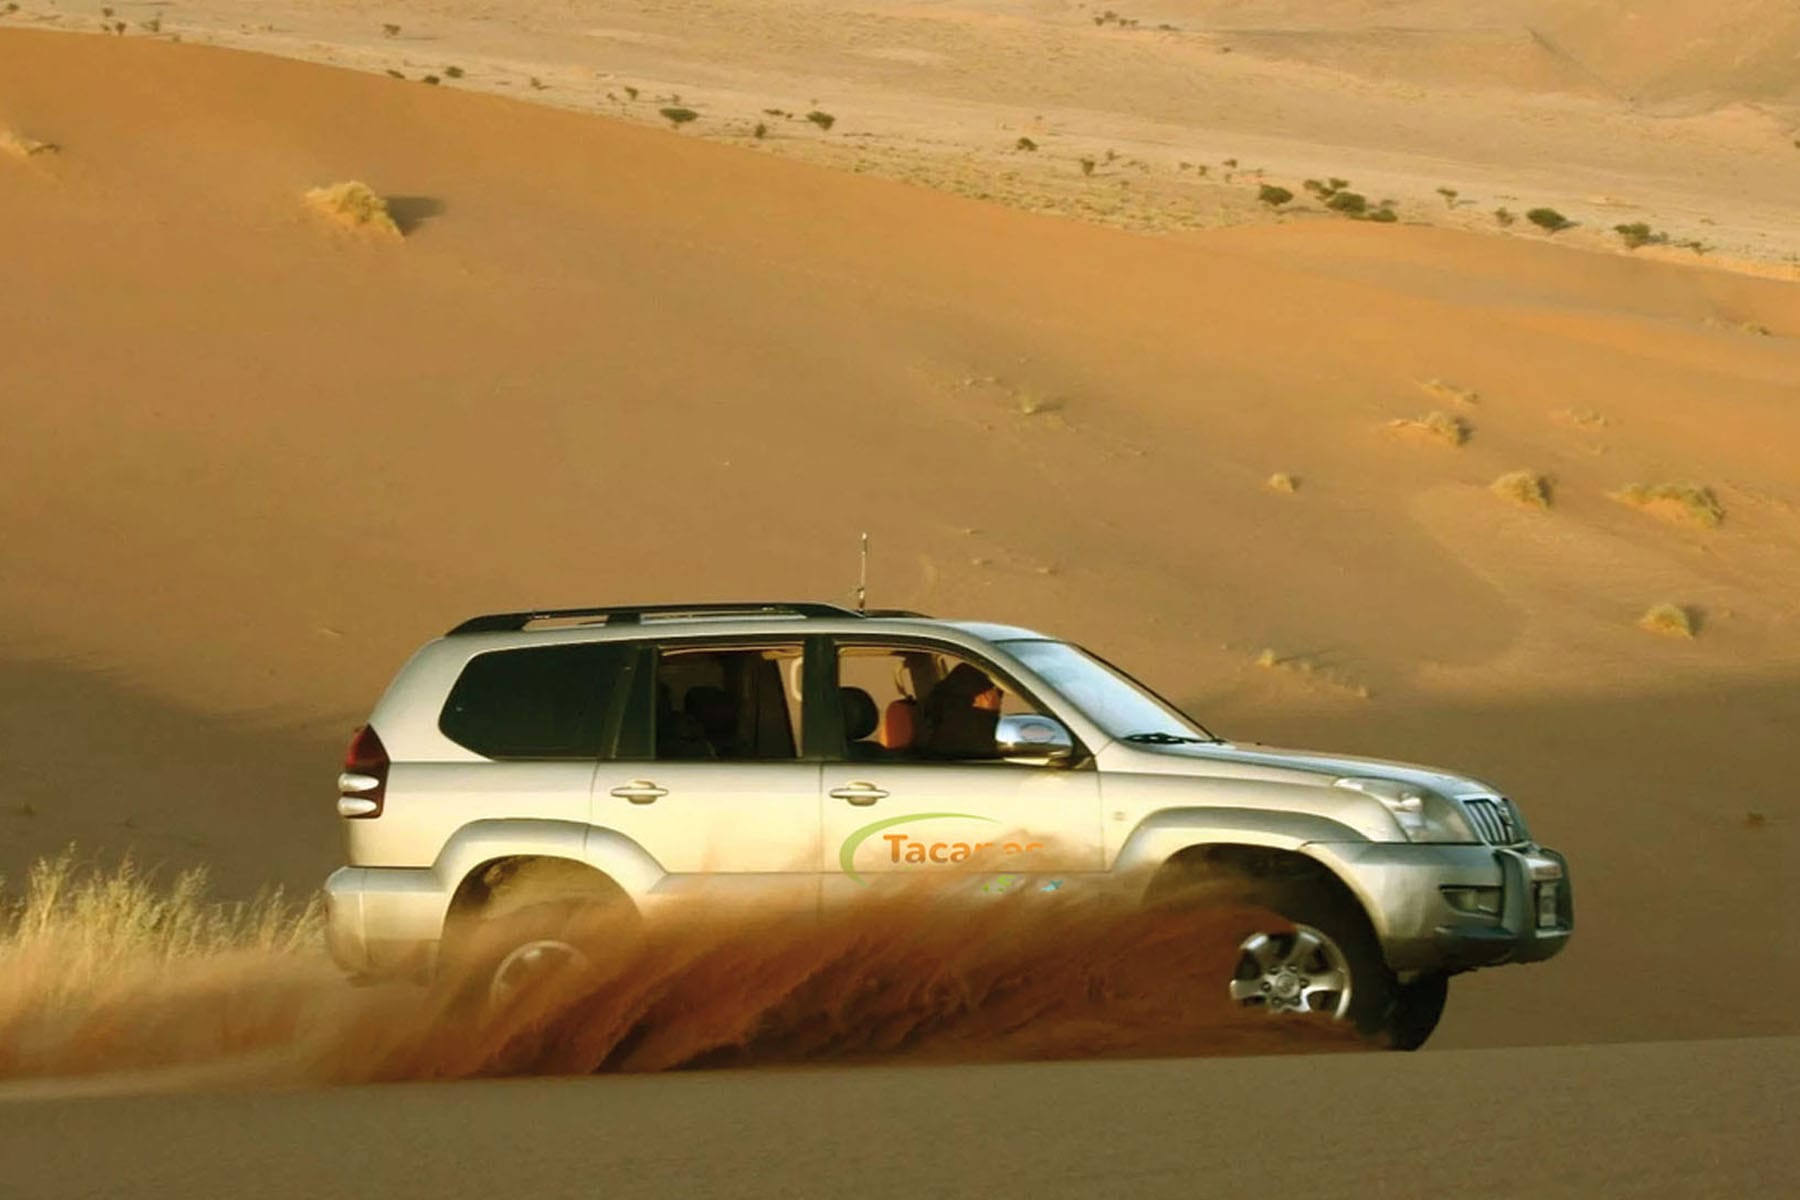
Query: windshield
(1108, 697)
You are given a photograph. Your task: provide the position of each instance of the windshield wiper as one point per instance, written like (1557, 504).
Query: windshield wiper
(1163, 739)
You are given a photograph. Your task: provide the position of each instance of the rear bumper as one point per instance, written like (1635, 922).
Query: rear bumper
(1455, 908)
(383, 921)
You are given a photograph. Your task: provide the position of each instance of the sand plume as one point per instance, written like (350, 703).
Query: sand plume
(105, 974)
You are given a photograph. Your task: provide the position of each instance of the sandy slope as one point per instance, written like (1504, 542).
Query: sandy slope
(1677, 113)
(250, 462)
(1678, 1120)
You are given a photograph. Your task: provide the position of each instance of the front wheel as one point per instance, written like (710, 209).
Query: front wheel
(1325, 959)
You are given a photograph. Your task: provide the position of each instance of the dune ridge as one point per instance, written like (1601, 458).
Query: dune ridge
(249, 466)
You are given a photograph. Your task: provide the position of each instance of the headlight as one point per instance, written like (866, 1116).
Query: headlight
(1422, 814)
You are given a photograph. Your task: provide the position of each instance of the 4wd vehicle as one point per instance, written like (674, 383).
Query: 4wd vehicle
(806, 750)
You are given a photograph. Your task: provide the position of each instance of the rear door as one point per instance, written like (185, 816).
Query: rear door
(894, 804)
(707, 772)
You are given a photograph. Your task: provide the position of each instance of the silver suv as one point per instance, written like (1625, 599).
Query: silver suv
(808, 751)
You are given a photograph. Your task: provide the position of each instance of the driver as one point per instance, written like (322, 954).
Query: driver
(960, 714)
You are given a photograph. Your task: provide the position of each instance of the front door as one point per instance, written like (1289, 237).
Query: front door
(915, 787)
(707, 774)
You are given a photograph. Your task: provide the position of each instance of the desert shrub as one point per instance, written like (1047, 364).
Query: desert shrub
(1527, 488)
(353, 205)
(678, 116)
(1382, 216)
(1024, 143)
(1352, 204)
(17, 145)
(429, 79)
(1547, 219)
(1504, 216)
(761, 131)
(1638, 234)
(453, 72)
(1681, 503)
(1670, 620)
(631, 93)
(1434, 426)
(1449, 194)
(390, 30)
(393, 74)
(1273, 196)
(1087, 166)
(823, 120)
(1282, 482)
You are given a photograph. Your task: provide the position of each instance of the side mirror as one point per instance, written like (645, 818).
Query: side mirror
(1029, 738)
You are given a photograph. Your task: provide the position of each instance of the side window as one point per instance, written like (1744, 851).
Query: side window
(541, 702)
(921, 704)
(739, 703)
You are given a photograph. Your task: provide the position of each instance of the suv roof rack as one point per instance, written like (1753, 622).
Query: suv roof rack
(631, 614)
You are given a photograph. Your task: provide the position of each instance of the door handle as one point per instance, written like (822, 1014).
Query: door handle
(640, 791)
(858, 793)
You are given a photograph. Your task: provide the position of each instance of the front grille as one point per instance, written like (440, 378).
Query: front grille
(1493, 821)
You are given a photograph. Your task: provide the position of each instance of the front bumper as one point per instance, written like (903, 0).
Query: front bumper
(1526, 910)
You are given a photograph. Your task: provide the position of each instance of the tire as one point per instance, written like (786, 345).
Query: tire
(1323, 929)
(1417, 1008)
(536, 928)
(1328, 961)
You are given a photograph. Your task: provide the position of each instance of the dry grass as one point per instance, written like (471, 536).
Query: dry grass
(17, 145)
(1678, 503)
(1282, 482)
(353, 205)
(76, 928)
(1527, 488)
(1437, 389)
(1311, 671)
(1438, 427)
(1669, 620)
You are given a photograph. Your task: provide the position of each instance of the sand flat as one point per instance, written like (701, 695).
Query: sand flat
(1678, 1120)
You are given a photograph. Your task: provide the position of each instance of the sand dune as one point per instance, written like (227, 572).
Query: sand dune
(251, 461)
(1163, 116)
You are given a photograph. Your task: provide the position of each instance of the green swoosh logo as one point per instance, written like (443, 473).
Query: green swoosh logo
(847, 853)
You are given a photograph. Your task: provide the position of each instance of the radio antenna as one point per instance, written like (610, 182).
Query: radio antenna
(862, 576)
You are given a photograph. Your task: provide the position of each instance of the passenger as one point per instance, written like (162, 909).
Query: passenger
(678, 735)
(861, 719)
(713, 710)
(959, 715)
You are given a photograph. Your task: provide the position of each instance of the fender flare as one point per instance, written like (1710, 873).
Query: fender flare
(1164, 834)
(611, 853)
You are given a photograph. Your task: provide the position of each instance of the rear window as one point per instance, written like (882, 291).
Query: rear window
(540, 702)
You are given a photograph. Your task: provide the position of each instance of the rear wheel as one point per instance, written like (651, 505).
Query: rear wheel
(540, 924)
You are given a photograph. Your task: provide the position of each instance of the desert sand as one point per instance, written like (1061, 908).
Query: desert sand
(252, 458)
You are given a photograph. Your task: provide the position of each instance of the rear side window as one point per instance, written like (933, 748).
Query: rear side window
(540, 702)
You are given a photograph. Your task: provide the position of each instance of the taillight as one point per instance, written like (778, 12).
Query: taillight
(363, 785)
